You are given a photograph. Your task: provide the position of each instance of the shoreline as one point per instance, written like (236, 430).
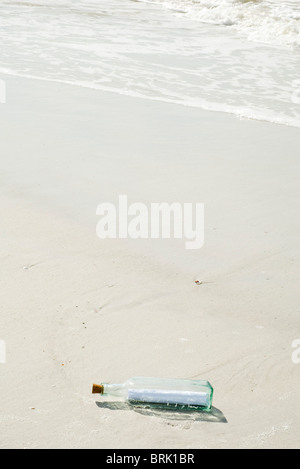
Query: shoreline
(235, 112)
(76, 309)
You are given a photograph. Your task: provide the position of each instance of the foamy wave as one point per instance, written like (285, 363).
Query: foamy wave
(270, 22)
(140, 50)
(238, 111)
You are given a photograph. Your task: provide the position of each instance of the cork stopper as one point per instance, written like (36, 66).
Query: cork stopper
(98, 389)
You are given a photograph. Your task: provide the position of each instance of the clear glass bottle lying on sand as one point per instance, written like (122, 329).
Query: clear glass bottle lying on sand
(179, 394)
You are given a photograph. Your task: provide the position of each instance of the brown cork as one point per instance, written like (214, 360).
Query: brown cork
(98, 389)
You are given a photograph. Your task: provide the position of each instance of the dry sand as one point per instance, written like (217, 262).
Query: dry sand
(77, 310)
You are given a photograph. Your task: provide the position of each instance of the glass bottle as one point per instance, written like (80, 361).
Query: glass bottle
(182, 394)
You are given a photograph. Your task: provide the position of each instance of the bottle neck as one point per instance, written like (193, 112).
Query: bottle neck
(114, 390)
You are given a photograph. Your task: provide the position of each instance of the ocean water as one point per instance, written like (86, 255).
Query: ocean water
(235, 56)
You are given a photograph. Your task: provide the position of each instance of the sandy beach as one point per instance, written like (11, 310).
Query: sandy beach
(77, 310)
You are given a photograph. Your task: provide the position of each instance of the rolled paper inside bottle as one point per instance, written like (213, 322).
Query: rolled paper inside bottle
(158, 396)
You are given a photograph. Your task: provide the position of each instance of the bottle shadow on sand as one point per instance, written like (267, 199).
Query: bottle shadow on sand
(214, 415)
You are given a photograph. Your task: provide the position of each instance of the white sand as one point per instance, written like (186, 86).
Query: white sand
(76, 310)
